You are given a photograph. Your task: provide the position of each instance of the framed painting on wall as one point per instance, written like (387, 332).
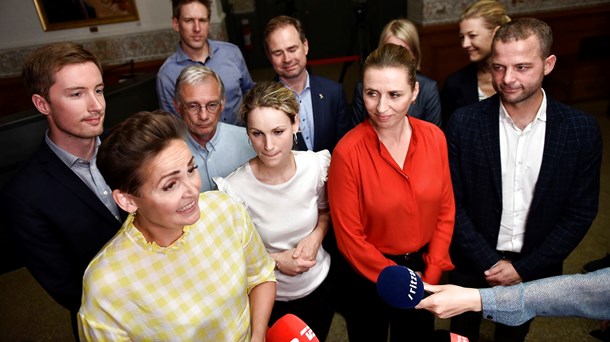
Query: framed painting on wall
(65, 14)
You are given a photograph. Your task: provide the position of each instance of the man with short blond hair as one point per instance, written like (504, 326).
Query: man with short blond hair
(191, 19)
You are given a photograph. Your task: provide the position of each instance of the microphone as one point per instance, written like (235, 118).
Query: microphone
(400, 287)
(447, 336)
(290, 328)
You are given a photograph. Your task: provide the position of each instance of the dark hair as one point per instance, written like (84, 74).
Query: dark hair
(39, 69)
(269, 95)
(282, 21)
(392, 56)
(523, 28)
(131, 143)
(177, 6)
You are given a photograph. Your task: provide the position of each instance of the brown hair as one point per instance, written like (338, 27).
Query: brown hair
(177, 6)
(283, 21)
(523, 28)
(131, 143)
(39, 69)
(392, 56)
(269, 95)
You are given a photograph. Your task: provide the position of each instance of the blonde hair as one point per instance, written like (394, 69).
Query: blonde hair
(406, 31)
(491, 11)
(269, 95)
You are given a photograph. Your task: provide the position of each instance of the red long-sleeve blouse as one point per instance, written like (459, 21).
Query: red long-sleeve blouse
(378, 207)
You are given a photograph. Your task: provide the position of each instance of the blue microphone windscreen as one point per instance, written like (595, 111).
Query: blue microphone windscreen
(400, 287)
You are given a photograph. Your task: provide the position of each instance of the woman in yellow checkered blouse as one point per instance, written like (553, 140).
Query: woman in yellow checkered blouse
(185, 266)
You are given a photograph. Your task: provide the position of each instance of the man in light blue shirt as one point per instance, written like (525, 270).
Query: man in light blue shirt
(218, 148)
(191, 20)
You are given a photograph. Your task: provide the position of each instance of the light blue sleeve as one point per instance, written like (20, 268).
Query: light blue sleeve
(578, 295)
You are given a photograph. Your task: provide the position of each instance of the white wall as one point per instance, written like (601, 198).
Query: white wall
(20, 25)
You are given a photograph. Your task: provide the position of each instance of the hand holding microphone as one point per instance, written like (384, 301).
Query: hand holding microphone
(450, 300)
(290, 328)
(400, 287)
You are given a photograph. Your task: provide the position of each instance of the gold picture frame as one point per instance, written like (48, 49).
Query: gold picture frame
(66, 14)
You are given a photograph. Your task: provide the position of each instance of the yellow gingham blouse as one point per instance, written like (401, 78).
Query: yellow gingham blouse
(194, 290)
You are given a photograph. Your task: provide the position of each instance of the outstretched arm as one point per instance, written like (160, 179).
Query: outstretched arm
(578, 295)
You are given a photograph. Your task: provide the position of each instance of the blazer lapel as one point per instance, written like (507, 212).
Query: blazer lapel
(317, 107)
(553, 143)
(73, 184)
(490, 136)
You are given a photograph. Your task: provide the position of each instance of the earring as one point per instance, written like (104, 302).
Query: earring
(249, 142)
(134, 214)
(295, 139)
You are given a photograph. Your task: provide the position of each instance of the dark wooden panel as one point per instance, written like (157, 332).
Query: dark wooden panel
(582, 36)
(14, 97)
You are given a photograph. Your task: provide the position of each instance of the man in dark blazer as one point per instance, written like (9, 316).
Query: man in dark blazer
(58, 207)
(525, 170)
(323, 117)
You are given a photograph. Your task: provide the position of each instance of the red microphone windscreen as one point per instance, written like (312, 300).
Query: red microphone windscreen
(458, 338)
(290, 328)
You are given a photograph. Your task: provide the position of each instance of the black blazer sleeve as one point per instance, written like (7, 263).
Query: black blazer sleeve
(459, 89)
(58, 224)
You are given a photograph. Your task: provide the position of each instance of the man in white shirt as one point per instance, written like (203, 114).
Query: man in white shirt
(525, 171)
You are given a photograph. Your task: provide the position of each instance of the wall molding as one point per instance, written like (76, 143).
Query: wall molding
(115, 50)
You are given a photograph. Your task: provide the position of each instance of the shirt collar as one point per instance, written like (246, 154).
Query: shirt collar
(213, 143)
(540, 115)
(304, 89)
(68, 158)
(181, 56)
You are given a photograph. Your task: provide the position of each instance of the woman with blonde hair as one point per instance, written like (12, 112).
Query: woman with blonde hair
(427, 106)
(472, 83)
(284, 192)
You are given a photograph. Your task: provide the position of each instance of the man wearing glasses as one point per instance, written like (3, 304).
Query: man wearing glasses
(218, 148)
(191, 20)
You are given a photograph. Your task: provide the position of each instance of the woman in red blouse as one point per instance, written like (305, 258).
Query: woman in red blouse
(391, 199)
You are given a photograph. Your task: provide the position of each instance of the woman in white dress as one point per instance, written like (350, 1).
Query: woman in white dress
(284, 192)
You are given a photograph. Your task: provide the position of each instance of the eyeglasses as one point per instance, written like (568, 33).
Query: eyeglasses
(195, 108)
